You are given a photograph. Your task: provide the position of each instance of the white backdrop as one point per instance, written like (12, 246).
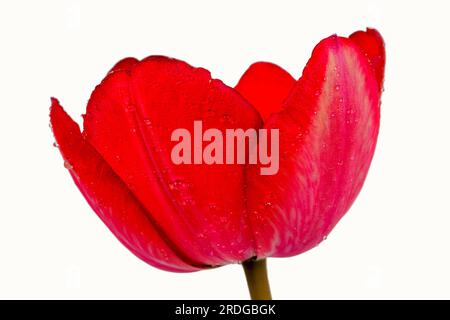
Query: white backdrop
(393, 243)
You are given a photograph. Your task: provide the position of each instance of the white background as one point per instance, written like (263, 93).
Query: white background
(393, 243)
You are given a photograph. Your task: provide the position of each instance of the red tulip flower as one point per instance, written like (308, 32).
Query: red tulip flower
(190, 217)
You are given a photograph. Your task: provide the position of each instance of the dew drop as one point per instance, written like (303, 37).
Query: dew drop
(129, 108)
(268, 204)
(67, 165)
(226, 117)
(185, 202)
(148, 122)
(176, 185)
(337, 87)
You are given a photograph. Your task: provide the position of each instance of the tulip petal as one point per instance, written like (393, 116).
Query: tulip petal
(372, 45)
(265, 85)
(124, 65)
(328, 130)
(129, 121)
(110, 198)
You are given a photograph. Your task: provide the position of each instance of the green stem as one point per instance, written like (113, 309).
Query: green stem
(257, 280)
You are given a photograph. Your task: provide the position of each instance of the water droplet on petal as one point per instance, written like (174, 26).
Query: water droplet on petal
(148, 122)
(212, 206)
(178, 185)
(226, 117)
(130, 108)
(67, 165)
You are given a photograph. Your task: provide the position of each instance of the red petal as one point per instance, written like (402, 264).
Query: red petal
(129, 120)
(124, 65)
(328, 132)
(265, 85)
(110, 198)
(372, 45)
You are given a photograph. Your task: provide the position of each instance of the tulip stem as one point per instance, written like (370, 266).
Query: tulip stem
(257, 280)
